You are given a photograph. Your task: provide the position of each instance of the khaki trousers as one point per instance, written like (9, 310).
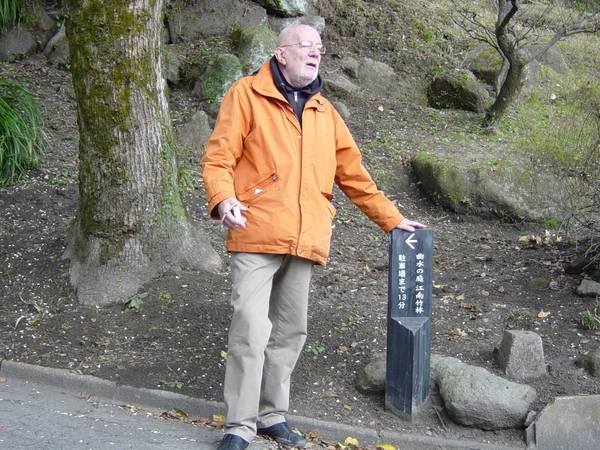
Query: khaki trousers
(268, 329)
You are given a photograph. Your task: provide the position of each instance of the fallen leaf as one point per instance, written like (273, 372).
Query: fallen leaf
(351, 442)
(130, 408)
(458, 332)
(543, 314)
(461, 297)
(385, 447)
(312, 435)
(584, 341)
(223, 354)
(380, 108)
(174, 414)
(218, 421)
(484, 293)
(330, 394)
(349, 408)
(501, 289)
(179, 413)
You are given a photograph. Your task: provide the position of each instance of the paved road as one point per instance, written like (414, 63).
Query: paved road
(37, 416)
(42, 408)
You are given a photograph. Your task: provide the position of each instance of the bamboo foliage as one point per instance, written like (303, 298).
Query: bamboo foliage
(9, 14)
(21, 136)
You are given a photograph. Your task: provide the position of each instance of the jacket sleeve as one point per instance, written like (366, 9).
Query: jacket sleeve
(354, 181)
(224, 149)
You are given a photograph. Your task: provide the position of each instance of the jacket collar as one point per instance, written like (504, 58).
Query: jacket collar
(283, 86)
(265, 79)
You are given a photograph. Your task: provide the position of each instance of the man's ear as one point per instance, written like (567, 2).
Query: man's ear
(279, 56)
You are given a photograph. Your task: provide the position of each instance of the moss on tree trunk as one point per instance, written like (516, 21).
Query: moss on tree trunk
(131, 221)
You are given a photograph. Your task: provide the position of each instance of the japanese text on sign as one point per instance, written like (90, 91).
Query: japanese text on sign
(418, 282)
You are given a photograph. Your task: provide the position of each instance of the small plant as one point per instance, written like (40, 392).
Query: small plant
(550, 223)
(64, 328)
(315, 349)
(591, 320)
(165, 297)
(21, 136)
(9, 14)
(134, 302)
(188, 179)
(172, 384)
(61, 178)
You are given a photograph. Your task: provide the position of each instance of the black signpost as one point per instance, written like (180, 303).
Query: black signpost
(409, 321)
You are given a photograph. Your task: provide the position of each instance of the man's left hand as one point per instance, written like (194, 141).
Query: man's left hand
(409, 225)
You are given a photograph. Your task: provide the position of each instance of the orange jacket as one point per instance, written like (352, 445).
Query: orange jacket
(258, 154)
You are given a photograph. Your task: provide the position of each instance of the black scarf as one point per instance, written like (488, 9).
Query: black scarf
(296, 97)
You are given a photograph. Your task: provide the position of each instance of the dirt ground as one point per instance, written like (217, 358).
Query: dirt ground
(486, 280)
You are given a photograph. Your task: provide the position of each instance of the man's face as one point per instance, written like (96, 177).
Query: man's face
(300, 66)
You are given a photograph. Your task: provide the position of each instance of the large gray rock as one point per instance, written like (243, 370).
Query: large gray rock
(60, 54)
(588, 288)
(485, 63)
(218, 77)
(553, 58)
(17, 43)
(377, 78)
(371, 378)
(255, 45)
(476, 398)
(317, 22)
(57, 39)
(591, 363)
(570, 423)
(41, 26)
(285, 8)
(521, 355)
(172, 61)
(472, 180)
(195, 132)
(458, 91)
(339, 86)
(208, 18)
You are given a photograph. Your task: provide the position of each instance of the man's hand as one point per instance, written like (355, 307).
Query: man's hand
(409, 225)
(226, 213)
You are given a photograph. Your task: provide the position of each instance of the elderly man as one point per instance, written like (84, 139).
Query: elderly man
(277, 149)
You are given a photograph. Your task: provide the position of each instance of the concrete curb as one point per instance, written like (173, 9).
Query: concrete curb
(111, 392)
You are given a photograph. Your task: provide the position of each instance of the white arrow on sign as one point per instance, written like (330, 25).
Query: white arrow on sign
(411, 242)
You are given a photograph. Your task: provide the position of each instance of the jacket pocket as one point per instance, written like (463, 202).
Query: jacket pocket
(330, 208)
(259, 188)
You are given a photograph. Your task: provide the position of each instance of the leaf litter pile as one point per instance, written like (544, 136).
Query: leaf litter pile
(489, 276)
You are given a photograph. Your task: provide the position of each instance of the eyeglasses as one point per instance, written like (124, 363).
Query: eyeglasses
(308, 46)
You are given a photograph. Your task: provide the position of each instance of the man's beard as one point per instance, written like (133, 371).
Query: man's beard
(303, 78)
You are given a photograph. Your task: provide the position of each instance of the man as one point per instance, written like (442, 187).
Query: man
(269, 167)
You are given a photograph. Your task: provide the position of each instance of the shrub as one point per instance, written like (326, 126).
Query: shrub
(567, 143)
(9, 14)
(21, 136)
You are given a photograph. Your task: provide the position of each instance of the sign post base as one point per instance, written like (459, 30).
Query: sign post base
(409, 321)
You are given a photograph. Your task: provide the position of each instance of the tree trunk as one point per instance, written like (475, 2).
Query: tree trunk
(509, 90)
(511, 84)
(131, 222)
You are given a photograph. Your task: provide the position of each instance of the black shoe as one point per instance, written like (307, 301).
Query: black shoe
(282, 434)
(232, 442)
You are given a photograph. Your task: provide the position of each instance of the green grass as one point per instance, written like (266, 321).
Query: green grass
(9, 14)
(21, 131)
